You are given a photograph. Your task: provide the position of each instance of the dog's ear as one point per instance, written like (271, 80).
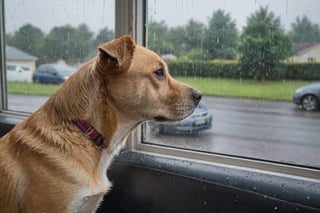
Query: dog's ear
(116, 53)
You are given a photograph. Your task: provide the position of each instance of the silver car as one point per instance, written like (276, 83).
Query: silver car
(199, 120)
(308, 96)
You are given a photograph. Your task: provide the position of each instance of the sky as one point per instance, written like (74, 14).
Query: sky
(98, 14)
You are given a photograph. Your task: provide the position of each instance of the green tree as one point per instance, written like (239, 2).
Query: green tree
(158, 38)
(220, 39)
(103, 36)
(28, 38)
(303, 30)
(263, 44)
(57, 44)
(82, 43)
(176, 37)
(68, 43)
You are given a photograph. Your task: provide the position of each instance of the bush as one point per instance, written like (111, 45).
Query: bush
(211, 69)
(301, 71)
(230, 69)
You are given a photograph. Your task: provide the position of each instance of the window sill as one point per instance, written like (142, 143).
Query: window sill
(281, 188)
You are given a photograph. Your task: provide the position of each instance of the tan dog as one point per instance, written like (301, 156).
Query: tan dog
(56, 160)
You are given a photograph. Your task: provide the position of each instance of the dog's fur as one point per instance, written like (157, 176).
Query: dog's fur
(47, 164)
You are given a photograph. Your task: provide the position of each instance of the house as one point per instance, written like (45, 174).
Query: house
(16, 56)
(305, 52)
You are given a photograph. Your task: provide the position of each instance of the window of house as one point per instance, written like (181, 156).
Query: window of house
(236, 54)
(49, 32)
(245, 58)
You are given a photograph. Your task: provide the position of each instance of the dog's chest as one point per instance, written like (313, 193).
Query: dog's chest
(87, 199)
(86, 203)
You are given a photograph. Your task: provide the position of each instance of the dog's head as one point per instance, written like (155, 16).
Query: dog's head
(138, 83)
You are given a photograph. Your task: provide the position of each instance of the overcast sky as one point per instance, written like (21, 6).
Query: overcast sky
(98, 14)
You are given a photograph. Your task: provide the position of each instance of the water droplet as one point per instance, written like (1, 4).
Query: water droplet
(205, 203)
(308, 198)
(275, 208)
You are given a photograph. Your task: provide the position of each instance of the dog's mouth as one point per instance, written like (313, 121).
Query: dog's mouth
(160, 118)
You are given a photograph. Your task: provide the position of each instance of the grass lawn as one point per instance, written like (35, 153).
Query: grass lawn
(274, 90)
(31, 89)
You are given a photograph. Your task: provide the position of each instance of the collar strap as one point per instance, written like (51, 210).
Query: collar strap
(90, 132)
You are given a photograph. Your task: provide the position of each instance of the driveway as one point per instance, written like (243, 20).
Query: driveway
(269, 130)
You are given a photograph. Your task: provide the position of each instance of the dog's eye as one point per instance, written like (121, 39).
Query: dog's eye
(159, 73)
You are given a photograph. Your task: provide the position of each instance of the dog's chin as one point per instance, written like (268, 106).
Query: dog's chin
(161, 118)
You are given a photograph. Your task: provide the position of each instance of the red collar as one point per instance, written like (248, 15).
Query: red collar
(90, 132)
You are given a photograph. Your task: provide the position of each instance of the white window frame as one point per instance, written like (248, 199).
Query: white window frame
(130, 19)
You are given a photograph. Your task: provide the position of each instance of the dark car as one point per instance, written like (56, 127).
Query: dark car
(308, 96)
(52, 73)
(199, 120)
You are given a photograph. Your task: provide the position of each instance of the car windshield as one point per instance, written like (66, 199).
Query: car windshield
(65, 70)
(26, 68)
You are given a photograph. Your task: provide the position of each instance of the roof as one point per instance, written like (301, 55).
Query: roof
(308, 49)
(302, 46)
(13, 53)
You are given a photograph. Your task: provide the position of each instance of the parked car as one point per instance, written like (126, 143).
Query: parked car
(52, 73)
(19, 73)
(199, 120)
(308, 96)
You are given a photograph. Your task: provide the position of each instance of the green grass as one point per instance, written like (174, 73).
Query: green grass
(31, 89)
(272, 90)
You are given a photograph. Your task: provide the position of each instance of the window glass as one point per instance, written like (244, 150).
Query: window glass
(50, 32)
(248, 58)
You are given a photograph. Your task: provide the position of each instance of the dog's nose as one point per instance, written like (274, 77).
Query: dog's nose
(197, 95)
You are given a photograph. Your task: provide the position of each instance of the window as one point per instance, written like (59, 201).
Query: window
(246, 116)
(236, 54)
(49, 32)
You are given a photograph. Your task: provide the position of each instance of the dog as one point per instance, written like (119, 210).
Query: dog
(56, 160)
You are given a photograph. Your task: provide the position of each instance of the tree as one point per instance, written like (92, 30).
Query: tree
(82, 43)
(303, 30)
(68, 43)
(263, 44)
(28, 38)
(220, 38)
(103, 36)
(158, 38)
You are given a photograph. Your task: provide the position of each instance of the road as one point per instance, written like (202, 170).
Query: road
(275, 131)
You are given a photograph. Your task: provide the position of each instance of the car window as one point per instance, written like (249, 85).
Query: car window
(41, 69)
(11, 67)
(50, 70)
(25, 68)
(65, 70)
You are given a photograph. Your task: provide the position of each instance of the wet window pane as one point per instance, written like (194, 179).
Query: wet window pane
(46, 41)
(250, 60)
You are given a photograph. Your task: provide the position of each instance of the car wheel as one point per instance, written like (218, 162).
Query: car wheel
(309, 103)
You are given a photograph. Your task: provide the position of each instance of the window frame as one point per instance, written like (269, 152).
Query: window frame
(3, 80)
(130, 18)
